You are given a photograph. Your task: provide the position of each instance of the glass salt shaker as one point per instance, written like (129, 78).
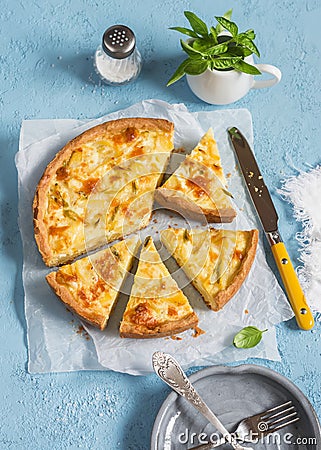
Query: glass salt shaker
(117, 60)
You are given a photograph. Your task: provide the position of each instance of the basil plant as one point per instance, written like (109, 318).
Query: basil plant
(217, 48)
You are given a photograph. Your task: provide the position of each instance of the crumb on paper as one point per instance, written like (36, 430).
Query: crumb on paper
(82, 332)
(155, 220)
(228, 175)
(176, 338)
(198, 332)
(246, 311)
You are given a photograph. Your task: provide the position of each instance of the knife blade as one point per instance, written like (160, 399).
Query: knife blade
(265, 209)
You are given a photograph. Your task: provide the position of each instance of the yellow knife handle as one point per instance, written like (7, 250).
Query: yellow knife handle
(292, 286)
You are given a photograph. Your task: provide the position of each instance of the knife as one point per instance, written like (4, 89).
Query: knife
(269, 220)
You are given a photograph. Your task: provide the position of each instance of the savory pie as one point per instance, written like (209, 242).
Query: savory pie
(90, 286)
(100, 187)
(198, 188)
(156, 307)
(216, 261)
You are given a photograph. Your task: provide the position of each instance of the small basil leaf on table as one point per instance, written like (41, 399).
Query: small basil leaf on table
(248, 337)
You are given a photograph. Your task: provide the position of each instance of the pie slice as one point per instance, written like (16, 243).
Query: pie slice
(198, 187)
(156, 307)
(216, 261)
(90, 286)
(100, 187)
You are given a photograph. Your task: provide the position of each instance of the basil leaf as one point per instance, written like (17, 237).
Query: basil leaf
(186, 31)
(228, 25)
(179, 73)
(217, 49)
(239, 51)
(213, 34)
(202, 45)
(242, 66)
(196, 66)
(224, 63)
(250, 34)
(248, 43)
(248, 337)
(226, 15)
(251, 46)
(189, 49)
(196, 23)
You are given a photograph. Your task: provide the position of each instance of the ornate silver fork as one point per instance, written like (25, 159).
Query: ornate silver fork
(168, 369)
(255, 427)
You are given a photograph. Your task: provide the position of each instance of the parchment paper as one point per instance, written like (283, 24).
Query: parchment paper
(57, 342)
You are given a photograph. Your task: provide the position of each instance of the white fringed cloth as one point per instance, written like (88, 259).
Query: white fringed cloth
(304, 193)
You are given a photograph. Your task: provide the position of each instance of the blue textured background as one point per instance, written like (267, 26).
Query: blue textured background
(46, 72)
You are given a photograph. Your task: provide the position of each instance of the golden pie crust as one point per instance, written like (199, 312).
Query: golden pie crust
(216, 261)
(198, 188)
(100, 187)
(90, 286)
(156, 307)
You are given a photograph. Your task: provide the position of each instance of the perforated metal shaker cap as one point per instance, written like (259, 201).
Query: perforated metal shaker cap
(118, 41)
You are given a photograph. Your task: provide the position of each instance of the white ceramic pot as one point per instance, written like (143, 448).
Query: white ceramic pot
(219, 87)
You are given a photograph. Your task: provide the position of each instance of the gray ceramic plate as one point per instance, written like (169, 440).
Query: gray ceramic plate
(234, 393)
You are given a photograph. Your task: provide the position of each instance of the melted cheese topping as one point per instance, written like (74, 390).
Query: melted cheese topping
(210, 258)
(104, 191)
(155, 297)
(200, 177)
(93, 283)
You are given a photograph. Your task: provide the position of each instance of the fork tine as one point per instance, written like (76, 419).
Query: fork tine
(276, 408)
(282, 419)
(280, 413)
(272, 430)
